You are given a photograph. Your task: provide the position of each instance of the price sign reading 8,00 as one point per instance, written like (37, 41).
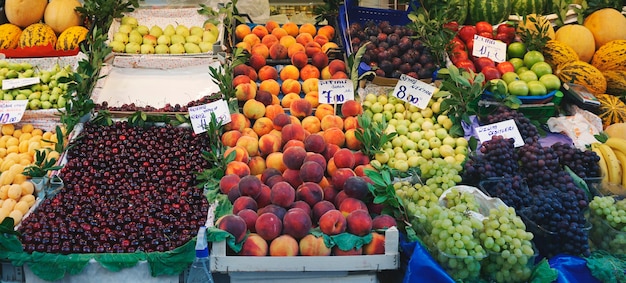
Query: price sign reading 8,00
(413, 91)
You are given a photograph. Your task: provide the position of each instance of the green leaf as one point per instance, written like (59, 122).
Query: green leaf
(543, 273)
(380, 199)
(601, 137)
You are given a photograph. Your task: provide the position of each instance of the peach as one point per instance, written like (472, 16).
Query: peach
(251, 39)
(269, 40)
(264, 197)
(283, 194)
(296, 120)
(240, 79)
(279, 32)
(296, 223)
(330, 150)
(315, 157)
(244, 202)
(376, 246)
(333, 222)
(295, 48)
(351, 108)
(293, 157)
(312, 171)
(263, 126)
(309, 72)
(249, 132)
(291, 28)
(302, 205)
(260, 31)
(292, 176)
(375, 208)
(330, 193)
(336, 251)
(325, 74)
(324, 183)
(311, 48)
(271, 25)
(293, 143)
(227, 182)
(281, 120)
(313, 98)
(269, 144)
(323, 110)
(277, 133)
(275, 160)
(241, 31)
(253, 109)
(361, 158)
(311, 245)
(344, 158)
(328, 46)
(230, 138)
(341, 176)
(271, 181)
(270, 85)
(327, 31)
(238, 168)
(249, 216)
(279, 211)
(310, 192)
(284, 245)
(264, 97)
(257, 61)
(311, 124)
(250, 186)
(330, 121)
(383, 221)
(310, 85)
(244, 45)
(268, 226)
(245, 91)
(290, 85)
(254, 245)
(287, 41)
(298, 60)
(339, 75)
(334, 135)
(336, 65)
(351, 140)
(348, 205)
(241, 154)
(308, 28)
(321, 40)
(301, 108)
(233, 193)
(269, 172)
(359, 222)
(251, 144)
(289, 72)
(241, 69)
(278, 51)
(356, 187)
(259, 49)
(304, 38)
(292, 132)
(234, 225)
(268, 73)
(320, 208)
(331, 168)
(319, 60)
(256, 165)
(350, 122)
(288, 98)
(360, 170)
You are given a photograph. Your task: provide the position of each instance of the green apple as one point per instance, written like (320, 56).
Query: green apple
(532, 57)
(427, 125)
(528, 76)
(537, 88)
(147, 48)
(161, 49)
(177, 38)
(415, 136)
(169, 30)
(125, 29)
(131, 21)
(164, 39)
(156, 31)
(441, 133)
(193, 39)
(177, 48)
(508, 77)
(182, 30)
(518, 88)
(143, 29)
(449, 141)
(149, 39)
(132, 48)
(517, 63)
(551, 82)
(135, 37)
(120, 37)
(541, 68)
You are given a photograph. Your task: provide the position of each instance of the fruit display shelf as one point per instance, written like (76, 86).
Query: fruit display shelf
(360, 268)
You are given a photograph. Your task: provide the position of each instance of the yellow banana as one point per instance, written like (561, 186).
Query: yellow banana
(622, 161)
(615, 175)
(617, 143)
(602, 163)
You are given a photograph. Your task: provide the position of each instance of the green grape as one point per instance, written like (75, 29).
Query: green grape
(608, 220)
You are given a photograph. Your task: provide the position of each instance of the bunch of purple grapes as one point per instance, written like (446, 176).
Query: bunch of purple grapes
(526, 128)
(496, 160)
(583, 163)
(512, 191)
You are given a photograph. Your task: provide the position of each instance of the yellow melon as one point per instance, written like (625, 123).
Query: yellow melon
(579, 38)
(617, 130)
(606, 24)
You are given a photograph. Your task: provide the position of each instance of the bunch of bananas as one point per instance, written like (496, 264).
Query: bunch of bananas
(612, 160)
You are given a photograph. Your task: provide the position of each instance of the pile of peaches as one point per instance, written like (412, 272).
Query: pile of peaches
(294, 173)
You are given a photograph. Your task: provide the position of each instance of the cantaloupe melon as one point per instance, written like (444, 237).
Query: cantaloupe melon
(606, 24)
(579, 38)
(617, 130)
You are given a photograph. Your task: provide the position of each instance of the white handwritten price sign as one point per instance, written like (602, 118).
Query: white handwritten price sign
(201, 115)
(11, 111)
(335, 91)
(15, 83)
(414, 91)
(492, 49)
(507, 129)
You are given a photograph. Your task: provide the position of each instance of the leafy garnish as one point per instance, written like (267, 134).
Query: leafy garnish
(372, 135)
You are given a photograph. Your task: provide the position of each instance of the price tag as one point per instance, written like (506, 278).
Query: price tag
(15, 83)
(414, 91)
(507, 129)
(11, 111)
(201, 115)
(335, 91)
(490, 48)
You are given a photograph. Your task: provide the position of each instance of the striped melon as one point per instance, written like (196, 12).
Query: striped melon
(71, 37)
(615, 82)
(612, 110)
(37, 35)
(526, 7)
(582, 73)
(492, 11)
(9, 36)
(557, 53)
(611, 56)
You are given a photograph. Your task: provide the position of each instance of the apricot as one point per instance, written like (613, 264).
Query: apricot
(291, 86)
(271, 25)
(230, 138)
(321, 40)
(289, 72)
(287, 41)
(251, 39)
(331, 121)
(327, 31)
(309, 72)
(291, 28)
(323, 110)
(304, 38)
(253, 109)
(260, 31)
(288, 98)
(241, 31)
(308, 28)
(293, 49)
(250, 143)
(310, 85)
(275, 160)
(259, 49)
(269, 40)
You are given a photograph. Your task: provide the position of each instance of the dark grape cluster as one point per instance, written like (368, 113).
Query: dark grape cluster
(512, 191)
(126, 189)
(537, 163)
(526, 128)
(496, 159)
(583, 163)
(131, 107)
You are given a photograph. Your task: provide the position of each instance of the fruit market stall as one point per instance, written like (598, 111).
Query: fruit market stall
(447, 142)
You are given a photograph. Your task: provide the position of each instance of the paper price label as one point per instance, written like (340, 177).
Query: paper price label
(490, 48)
(201, 115)
(335, 91)
(15, 83)
(11, 111)
(507, 129)
(414, 91)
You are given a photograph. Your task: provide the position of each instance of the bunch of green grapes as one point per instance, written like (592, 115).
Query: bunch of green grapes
(418, 199)
(461, 201)
(509, 246)
(608, 220)
(440, 174)
(454, 244)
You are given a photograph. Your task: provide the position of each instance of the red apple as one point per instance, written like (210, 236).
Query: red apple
(482, 62)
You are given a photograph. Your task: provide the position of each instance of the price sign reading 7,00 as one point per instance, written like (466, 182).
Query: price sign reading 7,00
(335, 91)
